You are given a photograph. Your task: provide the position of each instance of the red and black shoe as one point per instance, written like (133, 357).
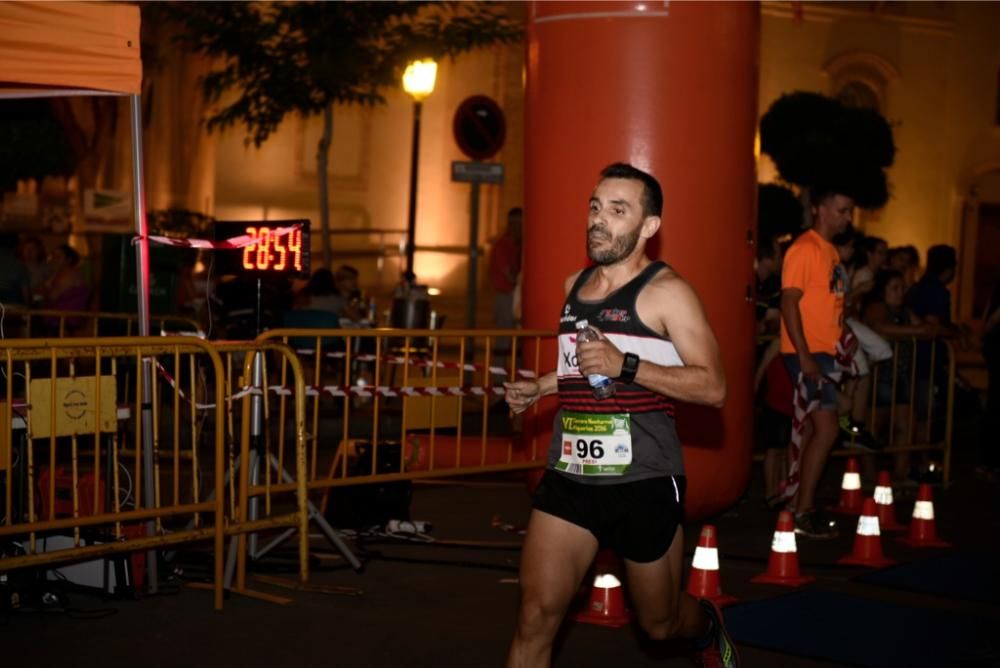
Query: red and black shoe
(721, 651)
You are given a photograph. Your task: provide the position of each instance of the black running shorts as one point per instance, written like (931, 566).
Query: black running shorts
(636, 519)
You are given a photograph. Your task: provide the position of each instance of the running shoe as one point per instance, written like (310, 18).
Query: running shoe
(815, 524)
(854, 435)
(721, 651)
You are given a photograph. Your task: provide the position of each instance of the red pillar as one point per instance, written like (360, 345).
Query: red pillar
(672, 88)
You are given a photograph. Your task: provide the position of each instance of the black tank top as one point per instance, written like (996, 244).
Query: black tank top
(656, 448)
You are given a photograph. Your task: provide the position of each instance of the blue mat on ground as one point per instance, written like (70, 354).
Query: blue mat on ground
(970, 577)
(863, 632)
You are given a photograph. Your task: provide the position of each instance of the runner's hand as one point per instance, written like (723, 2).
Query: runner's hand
(810, 368)
(521, 394)
(599, 357)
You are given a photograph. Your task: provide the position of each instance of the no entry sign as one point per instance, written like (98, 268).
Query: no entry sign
(479, 127)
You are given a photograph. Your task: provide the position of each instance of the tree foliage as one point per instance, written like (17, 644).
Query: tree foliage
(281, 58)
(815, 141)
(33, 144)
(779, 212)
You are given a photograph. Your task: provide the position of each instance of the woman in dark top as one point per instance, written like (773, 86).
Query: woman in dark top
(885, 312)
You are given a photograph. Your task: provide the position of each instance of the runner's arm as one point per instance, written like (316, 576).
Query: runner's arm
(521, 394)
(701, 380)
(679, 313)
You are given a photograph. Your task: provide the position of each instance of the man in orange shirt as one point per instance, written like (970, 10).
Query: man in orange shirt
(813, 284)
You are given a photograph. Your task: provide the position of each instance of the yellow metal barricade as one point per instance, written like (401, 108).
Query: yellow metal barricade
(392, 404)
(28, 323)
(74, 452)
(278, 499)
(913, 397)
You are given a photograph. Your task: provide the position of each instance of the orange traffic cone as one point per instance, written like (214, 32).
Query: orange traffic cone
(867, 541)
(704, 579)
(606, 602)
(783, 564)
(850, 490)
(884, 505)
(923, 531)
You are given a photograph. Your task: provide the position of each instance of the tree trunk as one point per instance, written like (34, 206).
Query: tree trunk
(322, 165)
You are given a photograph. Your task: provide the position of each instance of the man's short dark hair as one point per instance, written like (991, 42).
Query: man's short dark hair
(820, 194)
(941, 258)
(652, 194)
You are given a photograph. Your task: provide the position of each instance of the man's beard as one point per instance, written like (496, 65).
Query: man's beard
(621, 246)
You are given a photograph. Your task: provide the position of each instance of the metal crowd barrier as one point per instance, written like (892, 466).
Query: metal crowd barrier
(391, 404)
(38, 323)
(913, 411)
(916, 400)
(265, 437)
(77, 483)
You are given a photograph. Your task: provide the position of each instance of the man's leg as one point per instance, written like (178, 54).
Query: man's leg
(664, 610)
(554, 560)
(814, 455)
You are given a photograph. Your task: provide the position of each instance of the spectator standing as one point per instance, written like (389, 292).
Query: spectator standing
(14, 279)
(930, 298)
(868, 262)
(505, 268)
(66, 289)
(768, 312)
(885, 312)
(813, 287)
(905, 260)
(346, 282)
(33, 255)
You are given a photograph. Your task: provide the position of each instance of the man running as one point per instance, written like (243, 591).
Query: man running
(623, 490)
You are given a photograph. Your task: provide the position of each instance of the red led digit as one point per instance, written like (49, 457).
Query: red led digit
(264, 248)
(295, 247)
(247, 262)
(279, 248)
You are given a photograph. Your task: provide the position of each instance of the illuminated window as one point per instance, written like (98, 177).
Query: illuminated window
(859, 95)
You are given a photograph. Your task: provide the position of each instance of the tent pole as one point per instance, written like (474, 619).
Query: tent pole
(142, 295)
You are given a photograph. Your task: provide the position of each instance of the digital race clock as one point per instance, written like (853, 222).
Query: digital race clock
(282, 247)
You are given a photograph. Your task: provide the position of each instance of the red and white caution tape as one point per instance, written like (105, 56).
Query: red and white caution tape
(241, 241)
(341, 391)
(422, 362)
(244, 391)
(386, 391)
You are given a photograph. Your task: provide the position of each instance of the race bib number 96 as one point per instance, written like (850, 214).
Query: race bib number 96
(595, 444)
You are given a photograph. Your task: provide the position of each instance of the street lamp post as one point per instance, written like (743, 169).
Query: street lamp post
(418, 82)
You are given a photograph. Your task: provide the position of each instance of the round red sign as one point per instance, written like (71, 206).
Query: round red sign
(479, 127)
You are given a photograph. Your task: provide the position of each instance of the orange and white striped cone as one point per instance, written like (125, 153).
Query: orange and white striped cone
(704, 580)
(867, 541)
(923, 531)
(606, 602)
(884, 505)
(850, 490)
(783, 564)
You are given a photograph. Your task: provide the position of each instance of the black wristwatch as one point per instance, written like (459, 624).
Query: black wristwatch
(630, 366)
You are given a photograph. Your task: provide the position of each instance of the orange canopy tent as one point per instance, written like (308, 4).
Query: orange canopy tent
(69, 48)
(50, 49)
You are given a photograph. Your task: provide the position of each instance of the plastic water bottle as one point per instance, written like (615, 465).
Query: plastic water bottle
(602, 386)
